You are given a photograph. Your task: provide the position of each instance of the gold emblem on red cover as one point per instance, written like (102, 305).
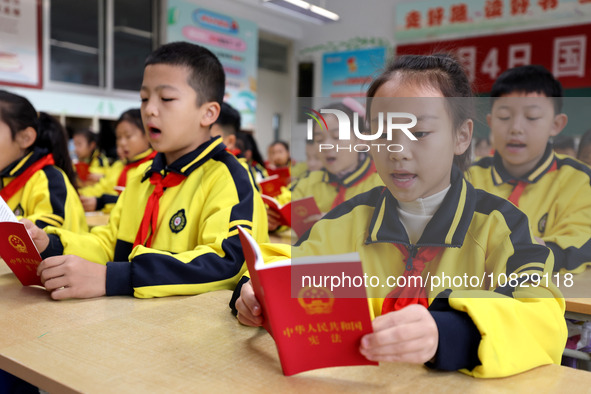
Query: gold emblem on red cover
(316, 300)
(17, 243)
(301, 211)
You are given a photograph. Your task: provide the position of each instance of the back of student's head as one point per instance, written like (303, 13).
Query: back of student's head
(207, 76)
(229, 119)
(17, 112)
(133, 116)
(52, 136)
(441, 71)
(529, 79)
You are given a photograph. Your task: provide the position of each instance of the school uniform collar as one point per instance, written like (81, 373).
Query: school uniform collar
(188, 163)
(447, 227)
(350, 179)
(500, 175)
(141, 156)
(18, 166)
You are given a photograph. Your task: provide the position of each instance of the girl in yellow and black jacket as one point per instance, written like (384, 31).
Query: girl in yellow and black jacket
(135, 150)
(36, 173)
(92, 165)
(459, 280)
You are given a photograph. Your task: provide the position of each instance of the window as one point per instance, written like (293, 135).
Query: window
(101, 43)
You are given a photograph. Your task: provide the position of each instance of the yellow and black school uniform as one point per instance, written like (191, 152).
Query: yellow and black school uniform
(98, 163)
(555, 196)
(485, 330)
(108, 188)
(35, 189)
(174, 229)
(329, 190)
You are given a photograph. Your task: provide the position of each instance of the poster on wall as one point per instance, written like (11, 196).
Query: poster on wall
(20, 43)
(428, 19)
(348, 74)
(565, 51)
(234, 41)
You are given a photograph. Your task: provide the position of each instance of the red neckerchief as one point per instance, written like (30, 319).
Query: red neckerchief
(123, 177)
(20, 181)
(401, 297)
(341, 189)
(150, 219)
(520, 187)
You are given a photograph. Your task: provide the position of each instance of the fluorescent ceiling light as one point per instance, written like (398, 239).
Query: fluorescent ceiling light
(303, 10)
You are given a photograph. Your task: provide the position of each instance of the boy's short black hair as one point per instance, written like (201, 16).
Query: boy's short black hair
(529, 79)
(207, 76)
(229, 119)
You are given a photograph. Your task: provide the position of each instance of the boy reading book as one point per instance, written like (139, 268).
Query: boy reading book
(173, 230)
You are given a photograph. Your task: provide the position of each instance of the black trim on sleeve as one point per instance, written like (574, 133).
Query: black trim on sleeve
(118, 280)
(236, 294)
(459, 338)
(55, 247)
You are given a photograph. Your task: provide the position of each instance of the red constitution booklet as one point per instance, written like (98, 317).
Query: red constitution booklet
(17, 248)
(300, 214)
(321, 326)
(271, 186)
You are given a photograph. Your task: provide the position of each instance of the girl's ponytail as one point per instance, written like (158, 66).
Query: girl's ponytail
(52, 136)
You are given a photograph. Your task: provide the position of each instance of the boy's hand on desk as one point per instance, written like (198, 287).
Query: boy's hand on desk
(249, 309)
(89, 203)
(39, 237)
(409, 335)
(72, 277)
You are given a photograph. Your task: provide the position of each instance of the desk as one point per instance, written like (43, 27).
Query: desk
(578, 296)
(97, 218)
(189, 344)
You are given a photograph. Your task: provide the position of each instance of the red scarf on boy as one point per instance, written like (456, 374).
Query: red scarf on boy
(150, 219)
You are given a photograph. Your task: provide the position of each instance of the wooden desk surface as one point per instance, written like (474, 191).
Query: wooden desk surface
(122, 344)
(97, 218)
(578, 296)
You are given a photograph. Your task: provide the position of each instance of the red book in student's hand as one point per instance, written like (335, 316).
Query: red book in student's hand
(284, 173)
(83, 170)
(17, 248)
(271, 186)
(304, 213)
(317, 328)
(284, 211)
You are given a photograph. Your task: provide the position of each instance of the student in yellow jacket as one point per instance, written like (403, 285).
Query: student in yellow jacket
(344, 174)
(429, 223)
(135, 150)
(173, 230)
(92, 164)
(34, 167)
(553, 190)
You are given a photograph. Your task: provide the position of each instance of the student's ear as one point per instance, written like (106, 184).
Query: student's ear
(210, 111)
(488, 120)
(464, 137)
(558, 124)
(26, 138)
(231, 139)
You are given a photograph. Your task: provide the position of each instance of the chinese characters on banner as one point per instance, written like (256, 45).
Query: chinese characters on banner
(564, 51)
(427, 18)
(233, 40)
